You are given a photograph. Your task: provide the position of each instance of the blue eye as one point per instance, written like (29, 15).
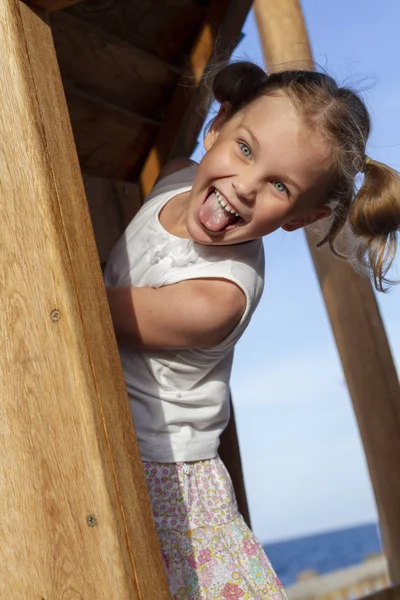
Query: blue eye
(281, 187)
(244, 149)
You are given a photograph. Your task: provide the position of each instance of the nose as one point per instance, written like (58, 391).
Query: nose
(245, 188)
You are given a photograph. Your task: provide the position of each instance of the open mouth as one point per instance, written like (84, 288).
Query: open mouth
(217, 214)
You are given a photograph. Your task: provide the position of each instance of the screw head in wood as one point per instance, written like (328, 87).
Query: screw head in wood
(91, 521)
(55, 315)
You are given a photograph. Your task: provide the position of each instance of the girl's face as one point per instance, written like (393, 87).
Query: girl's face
(263, 169)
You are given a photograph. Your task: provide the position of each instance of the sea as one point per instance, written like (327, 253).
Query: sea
(323, 552)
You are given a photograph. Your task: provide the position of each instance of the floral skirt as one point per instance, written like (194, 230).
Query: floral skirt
(208, 550)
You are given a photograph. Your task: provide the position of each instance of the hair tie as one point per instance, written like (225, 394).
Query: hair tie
(367, 161)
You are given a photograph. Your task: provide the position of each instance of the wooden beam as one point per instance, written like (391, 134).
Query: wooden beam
(76, 515)
(164, 28)
(391, 593)
(112, 142)
(108, 68)
(112, 205)
(284, 17)
(177, 136)
(360, 336)
(227, 36)
(51, 5)
(373, 385)
(229, 451)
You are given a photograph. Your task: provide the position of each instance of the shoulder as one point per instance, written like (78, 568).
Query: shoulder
(217, 304)
(173, 166)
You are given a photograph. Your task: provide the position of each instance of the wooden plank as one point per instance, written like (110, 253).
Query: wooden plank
(275, 18)
(177, 137)
(129, 200)
(373, 385)
(228, 34)
(229, 451)
(109, 69)
(112, 205)
(356, 322)
(391, 593)
(76, 521)
(111, 142)
(165, 29)
(51, 5)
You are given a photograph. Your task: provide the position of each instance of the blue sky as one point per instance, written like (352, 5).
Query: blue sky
(304, 465)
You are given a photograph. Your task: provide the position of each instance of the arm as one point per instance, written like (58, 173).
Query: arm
(198, 313)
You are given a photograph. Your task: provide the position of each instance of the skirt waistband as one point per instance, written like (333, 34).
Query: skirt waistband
(188, 495)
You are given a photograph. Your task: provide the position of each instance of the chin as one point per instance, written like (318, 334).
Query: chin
(199, 236)
(197, 233)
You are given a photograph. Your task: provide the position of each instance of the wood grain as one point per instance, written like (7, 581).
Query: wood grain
(275, 20)
(373, 385)
(109, 69)
(391, 593)
(229, 451)
(218, 34)
(111, 142)
(67, 444)
(51, 5)
(164, 28)
(354, 315)
(227, 33)
(112, 205)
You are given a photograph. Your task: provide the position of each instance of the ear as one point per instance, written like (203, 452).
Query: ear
(218, 122)
(310, 217)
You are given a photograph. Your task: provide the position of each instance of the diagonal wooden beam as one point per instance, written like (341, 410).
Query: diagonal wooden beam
(354, 314)
(391, 593)
(100, 64)
(218, 36)
(51, 5)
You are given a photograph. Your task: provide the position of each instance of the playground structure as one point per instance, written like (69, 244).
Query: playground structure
(74, 508)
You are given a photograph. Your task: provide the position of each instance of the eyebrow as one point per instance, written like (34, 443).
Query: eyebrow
(286, 178)
(251, 134)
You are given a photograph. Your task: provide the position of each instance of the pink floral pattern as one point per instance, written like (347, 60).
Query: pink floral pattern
(208, 550)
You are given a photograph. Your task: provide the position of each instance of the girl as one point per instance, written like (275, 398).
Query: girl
(185, 278)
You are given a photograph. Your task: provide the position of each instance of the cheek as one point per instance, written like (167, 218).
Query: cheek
(274, 209)
(219, 157)
(271, 216)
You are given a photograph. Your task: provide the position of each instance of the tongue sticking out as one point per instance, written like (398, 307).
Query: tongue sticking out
(213, 216)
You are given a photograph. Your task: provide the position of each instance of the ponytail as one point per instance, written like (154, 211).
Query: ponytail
(374, 218)
(239, 84)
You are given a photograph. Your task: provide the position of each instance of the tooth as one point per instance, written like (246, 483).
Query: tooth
(225, 205)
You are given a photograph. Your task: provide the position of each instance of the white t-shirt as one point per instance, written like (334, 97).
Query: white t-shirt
(180, 398)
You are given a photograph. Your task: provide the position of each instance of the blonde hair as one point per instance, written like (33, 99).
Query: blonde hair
(372, 213)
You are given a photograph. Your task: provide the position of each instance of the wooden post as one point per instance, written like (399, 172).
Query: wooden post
(350, 301)
(75, 517)
(177, 137)
(220, 31)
